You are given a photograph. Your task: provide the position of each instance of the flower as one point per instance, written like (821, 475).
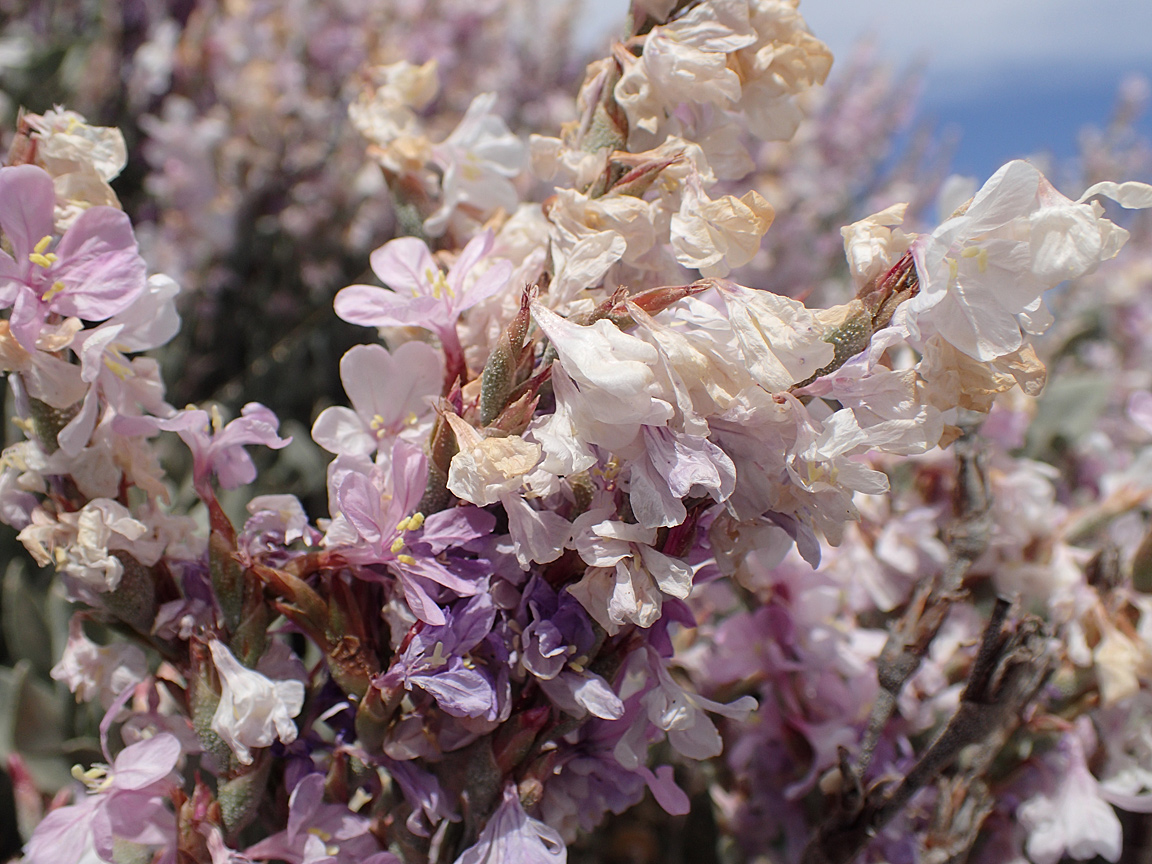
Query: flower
(512, 835)
(479, 159)
(320, 832)
(1072, 818)
(216, 448)
(422, 295)
(128, 803)
(715, 236)
(983, 273)
(254, 710)
(390, 393)
(93, 272)
(94, 671)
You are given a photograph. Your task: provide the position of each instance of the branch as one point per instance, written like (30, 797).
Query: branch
(1009, 670)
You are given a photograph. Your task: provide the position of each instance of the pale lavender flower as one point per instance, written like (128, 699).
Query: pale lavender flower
(216, 448)
(93, 272)
(674, 466)
(125, 384)
(94, 671)
(512, 835)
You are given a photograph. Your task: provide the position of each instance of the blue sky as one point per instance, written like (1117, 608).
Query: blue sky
(1012, 77)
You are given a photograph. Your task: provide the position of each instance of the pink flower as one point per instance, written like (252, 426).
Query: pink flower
(389, 392)
(421, 295)
(216, 448)
(94, 272)
(127, 803)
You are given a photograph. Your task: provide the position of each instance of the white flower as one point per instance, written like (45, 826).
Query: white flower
(254, 710)
(386, 116)
(487, 468)
(983, 273)
(612, 371)
(875, 243)
(783, 342)
(479, 159)
(94, 671)
(1072, 819)
(716, 236)
(626, 578)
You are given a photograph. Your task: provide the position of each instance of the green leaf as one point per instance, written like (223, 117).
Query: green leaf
(26, 629)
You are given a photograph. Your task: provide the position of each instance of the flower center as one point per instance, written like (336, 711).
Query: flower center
(37, 255)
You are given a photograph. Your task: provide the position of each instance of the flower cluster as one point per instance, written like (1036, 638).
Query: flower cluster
(596, 513)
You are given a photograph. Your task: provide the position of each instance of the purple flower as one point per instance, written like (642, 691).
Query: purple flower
(320, 832)
(512, 835)
(377, 526)
(435, 661)
(93, 272)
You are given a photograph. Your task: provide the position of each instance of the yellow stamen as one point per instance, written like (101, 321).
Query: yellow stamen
(217, 418)
(979, 253)
(116, 362)
(42, 244)
(96, 778)
(440, 287)
(397, 545)
(56, 288)
(406, 559)
(415, 521)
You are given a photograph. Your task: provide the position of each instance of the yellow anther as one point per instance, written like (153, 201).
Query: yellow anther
(321, 833)
(217, 418)
(359, 798)
(402, 525)
(377, 422)
(96, 778)
(42, 244)
(56, 288)
(397, 545)
(440, 287)
(406, 559)
(25, 425)
(415, 522)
